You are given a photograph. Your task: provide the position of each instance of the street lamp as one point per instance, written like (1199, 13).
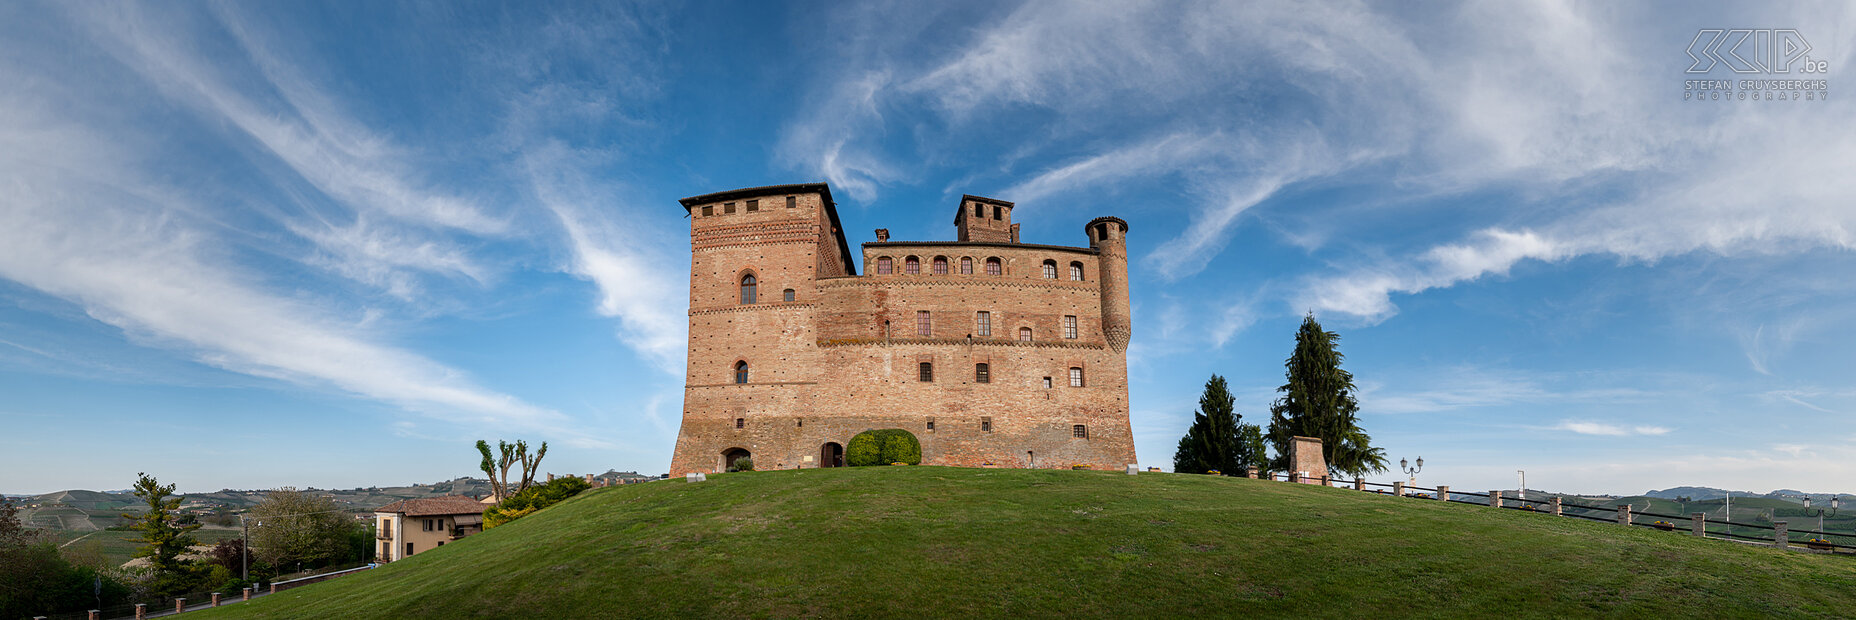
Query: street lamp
(1820, 512)
(1411, 473)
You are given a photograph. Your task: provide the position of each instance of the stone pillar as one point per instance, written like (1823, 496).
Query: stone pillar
(96, 614)
(215, 599)
(1624, 514)
(1556, 505)
(1495, 499)
(1780, 537)
(1398, 489)
(1359, 484)
(273, 587)
(180, 605)
(244, 594)
(1305, 455)
(141, 611)
(1443, 492)
(1699, 523)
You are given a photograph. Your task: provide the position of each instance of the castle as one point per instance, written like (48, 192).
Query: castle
(991, 351)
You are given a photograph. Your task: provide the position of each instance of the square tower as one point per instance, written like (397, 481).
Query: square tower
(985, 219)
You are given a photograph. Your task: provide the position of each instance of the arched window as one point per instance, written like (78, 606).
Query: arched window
(993, 267)
(912, 266)
(747, 289)
(883, 265)
(1050, 270)
(940, 265)
(966, 265)
(1076, 377)
(741, 372)
(788, 295)
(1076, 272)
(1024, 334)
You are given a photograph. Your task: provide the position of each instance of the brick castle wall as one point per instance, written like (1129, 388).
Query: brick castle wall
(844, 356)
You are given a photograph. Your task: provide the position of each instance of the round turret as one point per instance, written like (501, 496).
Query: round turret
(1108, 235)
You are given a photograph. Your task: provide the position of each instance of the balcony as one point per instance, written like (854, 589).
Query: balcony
(385, 533)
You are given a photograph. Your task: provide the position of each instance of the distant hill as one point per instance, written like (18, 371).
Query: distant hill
(82, 511)
(891, 542)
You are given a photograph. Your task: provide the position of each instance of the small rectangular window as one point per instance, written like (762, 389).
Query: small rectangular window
(930, 425)
(787, 295)
(1069, 327)
(982, 373)
(966, 265)
(995, 212)
(983, 322)
(1079, 431)
(708, 210)
(753, 205)
(728, 207)
(791, 202)
(1047, 383)
(986, 424)
(927, 372)
(741, 422)
(1076, 377)
(923, 326)
(978, 211)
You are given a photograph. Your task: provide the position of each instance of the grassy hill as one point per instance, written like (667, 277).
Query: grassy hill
(929, 541)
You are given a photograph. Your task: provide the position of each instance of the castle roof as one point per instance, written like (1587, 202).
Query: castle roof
(823, 190)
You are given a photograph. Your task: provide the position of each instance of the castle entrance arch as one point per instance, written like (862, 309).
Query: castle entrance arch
(831, 455)
(731, 455)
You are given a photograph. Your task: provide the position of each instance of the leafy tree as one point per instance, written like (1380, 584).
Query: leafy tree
(165, 537)
(510, 455)
(36, 580)
(293, 527)
(1318, 401)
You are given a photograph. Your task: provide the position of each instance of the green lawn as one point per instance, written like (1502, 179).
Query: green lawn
(928, 541)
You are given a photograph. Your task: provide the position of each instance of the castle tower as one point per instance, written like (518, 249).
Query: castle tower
(985, 219)
(1108, 235)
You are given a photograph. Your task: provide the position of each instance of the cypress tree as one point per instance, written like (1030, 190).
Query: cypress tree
(1318, 401)
(1215, 439)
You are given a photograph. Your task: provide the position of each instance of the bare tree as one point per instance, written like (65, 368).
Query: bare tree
(510, 455)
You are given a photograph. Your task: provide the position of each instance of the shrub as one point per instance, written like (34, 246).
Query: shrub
(535, 498)
(743, 464)
(888, 445)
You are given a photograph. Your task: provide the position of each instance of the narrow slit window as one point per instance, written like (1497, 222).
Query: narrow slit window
(982, 373)
(983, 323)
(985, 424)
(927, 372)
(924, 325)
(1069, 327)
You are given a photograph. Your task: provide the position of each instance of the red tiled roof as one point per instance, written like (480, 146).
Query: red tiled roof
(444, 505)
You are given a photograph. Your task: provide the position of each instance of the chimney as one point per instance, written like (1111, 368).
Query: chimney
(882, 235)
(1014, 233)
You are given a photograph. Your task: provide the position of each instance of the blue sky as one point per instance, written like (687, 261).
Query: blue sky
(332, 244)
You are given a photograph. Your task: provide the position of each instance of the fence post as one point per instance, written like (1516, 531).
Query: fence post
(96, 614)
(1624, 514)
(1779, 537)
(1324, 480)
(180, 605)
(273, 587)
(1359, 484)
(1556, 505)
(1443, 492)
(1398, 489)
(1495, 499)
(1698, 522)
(141, 611)
(215, 599)
(1250, 472)
(245, 594)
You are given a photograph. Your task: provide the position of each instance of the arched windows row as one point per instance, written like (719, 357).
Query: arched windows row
(982, 373)
(942, 265)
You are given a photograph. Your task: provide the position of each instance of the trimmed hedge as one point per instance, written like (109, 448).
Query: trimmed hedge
(882, 447)
(532, 499)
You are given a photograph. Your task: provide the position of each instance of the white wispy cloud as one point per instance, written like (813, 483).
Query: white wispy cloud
(1606, 429)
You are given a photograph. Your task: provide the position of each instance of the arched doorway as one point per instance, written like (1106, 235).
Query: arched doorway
(831, 455)
(731, 455)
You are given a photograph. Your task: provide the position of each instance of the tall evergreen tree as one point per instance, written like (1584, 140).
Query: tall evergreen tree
(166, 538)
(1318, 401)
(1215, 441)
